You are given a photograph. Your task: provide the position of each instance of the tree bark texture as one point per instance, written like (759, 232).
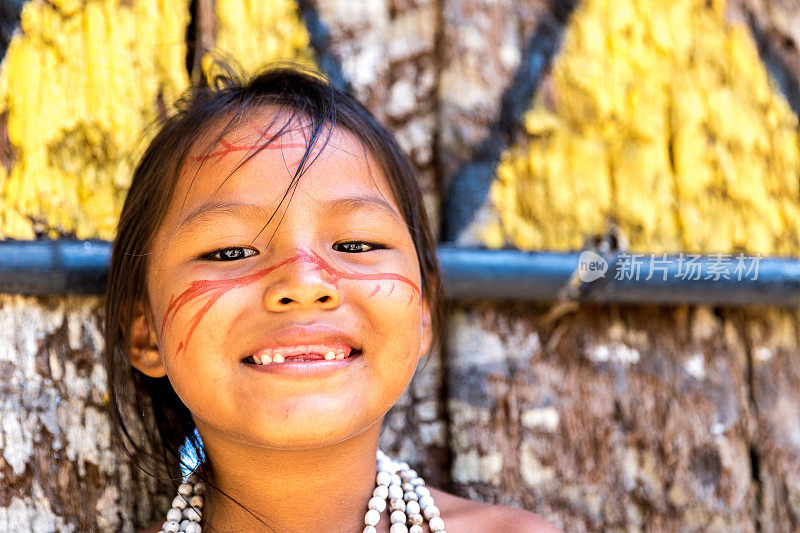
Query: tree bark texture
(60, 469)
(629, 418)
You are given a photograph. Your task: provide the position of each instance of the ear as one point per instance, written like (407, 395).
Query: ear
(144, 354)
(427, 331)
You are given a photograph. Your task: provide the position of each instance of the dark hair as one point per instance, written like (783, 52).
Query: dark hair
(163, 423)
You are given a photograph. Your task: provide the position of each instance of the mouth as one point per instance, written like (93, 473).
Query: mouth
(301, 353)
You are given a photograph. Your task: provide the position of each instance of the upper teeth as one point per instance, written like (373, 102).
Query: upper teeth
(265, 359)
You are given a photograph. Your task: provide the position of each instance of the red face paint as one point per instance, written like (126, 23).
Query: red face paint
(215, 289)
(336, 274)
(229, 148)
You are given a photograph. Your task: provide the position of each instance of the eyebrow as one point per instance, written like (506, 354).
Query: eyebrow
(356, 203)
(246, 212)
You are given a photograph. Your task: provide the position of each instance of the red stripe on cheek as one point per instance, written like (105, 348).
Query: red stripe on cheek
(337, 274)
(218, 288)
(199, 316)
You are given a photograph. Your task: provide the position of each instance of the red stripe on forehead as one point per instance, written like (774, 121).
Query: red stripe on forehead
(229, 148)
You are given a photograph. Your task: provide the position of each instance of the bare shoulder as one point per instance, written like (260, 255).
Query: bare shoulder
(462, 515)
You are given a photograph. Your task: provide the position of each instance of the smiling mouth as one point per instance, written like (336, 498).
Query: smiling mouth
(308, 353)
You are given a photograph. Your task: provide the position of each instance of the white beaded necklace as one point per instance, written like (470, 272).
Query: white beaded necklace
(410, 502)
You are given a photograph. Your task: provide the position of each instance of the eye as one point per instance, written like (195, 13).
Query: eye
(229, 254)
(357, 247)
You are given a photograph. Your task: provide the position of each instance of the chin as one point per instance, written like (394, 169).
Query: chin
(305, 428)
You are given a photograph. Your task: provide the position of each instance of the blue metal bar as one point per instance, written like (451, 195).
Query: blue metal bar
(633, 278)
(79, 267)
(54, 266)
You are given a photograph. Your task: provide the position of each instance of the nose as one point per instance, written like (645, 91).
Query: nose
(301, 286)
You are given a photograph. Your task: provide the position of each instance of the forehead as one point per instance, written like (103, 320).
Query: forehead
(258, 160)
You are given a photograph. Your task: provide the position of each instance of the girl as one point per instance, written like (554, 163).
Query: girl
(272, 286)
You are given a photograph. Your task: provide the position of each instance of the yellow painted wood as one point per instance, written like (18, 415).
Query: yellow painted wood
(79, 82)
(82, 80)
(257, 32)
(664, 121)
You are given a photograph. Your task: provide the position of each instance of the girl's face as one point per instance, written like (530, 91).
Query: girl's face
(336, 271)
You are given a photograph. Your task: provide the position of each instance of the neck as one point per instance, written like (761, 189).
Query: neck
(320, 489)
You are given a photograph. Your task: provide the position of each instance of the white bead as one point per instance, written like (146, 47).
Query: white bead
(179, 502)
(436, 524)
(174, 515)
(398, 528)
(422, 491)
(171, 526)
(396, 480)
(408, 475)
(415, 529)
(185, 489)
(397, 517)
(417, 481)
(196, 501)
(184, 524)
(370, 529)
(410, 496)
(402, 465)
(396, 504)
(413, 507)
(193, 527)
(377, 503)
(430, 512)
(381, 491)
(415, 519)
(407, 487)
(372, 517)
(199, 487)
(425, 501)
(395, 491)
(191, 514)
(383, 478)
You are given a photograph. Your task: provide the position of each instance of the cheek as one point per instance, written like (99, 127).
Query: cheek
(394, 304)
(394, 315)
(202, 383)
(199, 364)
(401, 290)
